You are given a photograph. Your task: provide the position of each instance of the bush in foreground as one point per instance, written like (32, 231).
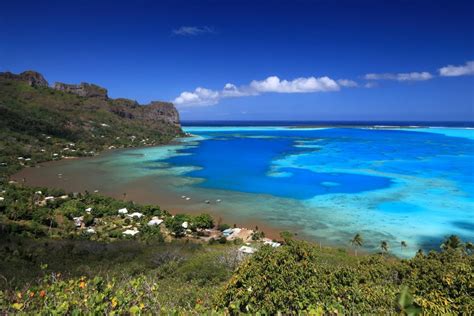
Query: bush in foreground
(297, 277)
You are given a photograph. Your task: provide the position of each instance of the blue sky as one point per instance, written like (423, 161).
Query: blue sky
(355, 60)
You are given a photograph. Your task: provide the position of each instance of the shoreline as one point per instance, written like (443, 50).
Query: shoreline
(138, 175)
(32, 176)
(163, 199)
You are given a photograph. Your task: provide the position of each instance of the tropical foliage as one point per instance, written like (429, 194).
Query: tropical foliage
(299, 277)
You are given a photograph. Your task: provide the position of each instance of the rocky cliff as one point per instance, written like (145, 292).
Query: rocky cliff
(156, 111)
(83, 89)
(95, 98)
(33, 78)
(164, 111)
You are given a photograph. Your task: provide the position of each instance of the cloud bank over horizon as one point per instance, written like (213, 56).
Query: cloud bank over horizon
(273, 84)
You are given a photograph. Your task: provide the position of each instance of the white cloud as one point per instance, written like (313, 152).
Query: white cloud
(347, 83)
(417, 76)
(231, 90)
(203, 96)
(370, 84)
(298, 85)
(410, 76)
(454, 71)
(193, 30)
(199, 97)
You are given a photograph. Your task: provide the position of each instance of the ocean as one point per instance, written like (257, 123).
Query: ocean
(325, 181)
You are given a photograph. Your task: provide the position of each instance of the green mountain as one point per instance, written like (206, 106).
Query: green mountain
(40, 123)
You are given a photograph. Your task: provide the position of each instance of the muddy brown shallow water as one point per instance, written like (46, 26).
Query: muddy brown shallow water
(63, 174)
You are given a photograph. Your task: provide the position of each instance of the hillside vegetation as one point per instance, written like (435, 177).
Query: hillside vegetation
(299, 276)
(38, 123)
(83, 253)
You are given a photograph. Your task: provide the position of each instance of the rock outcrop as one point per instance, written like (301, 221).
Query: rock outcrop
(126, 102)
(95, 97)
(83, 89)
(33, 78)
(156, 111)
(164, 111)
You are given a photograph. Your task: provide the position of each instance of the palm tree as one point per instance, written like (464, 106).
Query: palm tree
(384, 246)
(452, 242)
(469, 246)
(403, 244)
(357, 241)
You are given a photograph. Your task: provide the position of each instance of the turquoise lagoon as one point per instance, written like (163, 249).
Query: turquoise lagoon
(326, 184)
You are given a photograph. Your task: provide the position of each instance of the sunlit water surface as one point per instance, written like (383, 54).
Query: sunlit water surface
(325, 184)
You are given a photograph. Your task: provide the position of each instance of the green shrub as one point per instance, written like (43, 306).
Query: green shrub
(203, 221)
(72, 208)
(45, 217)
(116, 233)
(175, 224)
(18, 212)
(152, 210)
(258, 235)
(88, 220)
(301, 279)
(152, 233)
(223, 227)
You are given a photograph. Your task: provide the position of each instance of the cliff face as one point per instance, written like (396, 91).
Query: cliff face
(162, 110)
(156, 111)
(95, 97)
(83, 89)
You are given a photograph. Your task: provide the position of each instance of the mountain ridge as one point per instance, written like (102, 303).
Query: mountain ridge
(39, 122)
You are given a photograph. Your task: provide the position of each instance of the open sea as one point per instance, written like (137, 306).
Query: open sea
(324, 181)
